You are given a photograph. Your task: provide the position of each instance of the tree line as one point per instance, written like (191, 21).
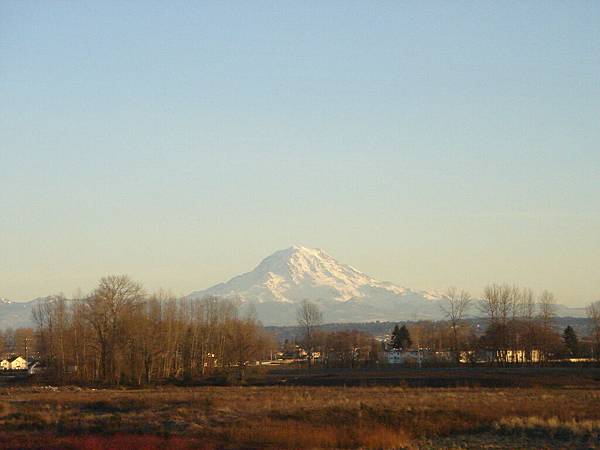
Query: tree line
(19, 341)
(516, 326)
(520, 325)
(119, 334)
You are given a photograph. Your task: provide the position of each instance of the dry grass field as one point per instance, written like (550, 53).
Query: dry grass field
(299, 417)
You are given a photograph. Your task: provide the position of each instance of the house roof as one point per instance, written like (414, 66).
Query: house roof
(14, 357)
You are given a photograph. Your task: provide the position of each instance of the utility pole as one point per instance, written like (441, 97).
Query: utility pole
(26, 347)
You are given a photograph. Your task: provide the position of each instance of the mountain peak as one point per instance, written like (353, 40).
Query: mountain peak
(288, 276)
(299, 250)
(298, 272)
(297, 264)
(306, 250)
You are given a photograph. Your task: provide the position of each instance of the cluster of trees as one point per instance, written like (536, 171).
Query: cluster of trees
(352, 348)
(593, 312)
(521, 325)
(518, 327)
(119, 334)
(347, 348)
(20, 341)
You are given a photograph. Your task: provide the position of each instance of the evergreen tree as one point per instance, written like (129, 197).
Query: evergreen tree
(401, 338)
(571, 342)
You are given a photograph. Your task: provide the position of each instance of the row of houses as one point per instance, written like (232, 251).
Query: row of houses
(389, 355)
(411, 357)
(14, 363)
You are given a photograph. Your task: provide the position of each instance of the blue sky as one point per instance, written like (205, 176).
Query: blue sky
(426, 143)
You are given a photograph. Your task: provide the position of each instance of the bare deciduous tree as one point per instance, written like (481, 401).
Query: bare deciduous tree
(455, 308)
(528, 314)
(116, 335)
(106, 309)
(497, 304)
(52, 318)
(547, 308)
(593, 313)
(309, 317)
(245, 341)
(547, 313)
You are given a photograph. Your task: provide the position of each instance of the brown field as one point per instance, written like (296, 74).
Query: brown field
(300, 417)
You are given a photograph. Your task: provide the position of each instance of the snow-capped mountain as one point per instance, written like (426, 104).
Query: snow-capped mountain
(281, 281)
(287, 277)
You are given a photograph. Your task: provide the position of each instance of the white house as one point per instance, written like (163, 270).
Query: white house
(520, 356)
(13, 363)
(404, 357)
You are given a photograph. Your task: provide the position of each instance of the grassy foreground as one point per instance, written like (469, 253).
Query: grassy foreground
(299, 417)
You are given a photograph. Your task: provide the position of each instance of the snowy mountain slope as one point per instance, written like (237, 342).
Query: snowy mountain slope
(276, 286)
(288, 276)
(295, 273)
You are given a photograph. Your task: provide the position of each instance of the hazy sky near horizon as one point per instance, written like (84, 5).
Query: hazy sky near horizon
(426, 143)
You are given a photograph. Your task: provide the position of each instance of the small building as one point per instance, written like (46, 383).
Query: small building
(521, 356)
(516, 356)
(4, 364)
(16, 363)
(404, 357)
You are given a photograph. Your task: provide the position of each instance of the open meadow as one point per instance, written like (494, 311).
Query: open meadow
(300, 417)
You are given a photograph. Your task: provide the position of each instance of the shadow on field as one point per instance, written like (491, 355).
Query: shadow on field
(518, 377)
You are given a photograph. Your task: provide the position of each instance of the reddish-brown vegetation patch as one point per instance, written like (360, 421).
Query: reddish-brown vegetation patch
(293, 417)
